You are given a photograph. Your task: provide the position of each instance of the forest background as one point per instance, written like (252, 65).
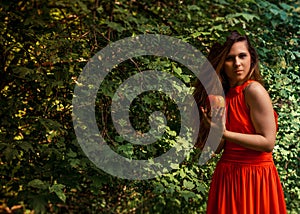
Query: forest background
(45, 45)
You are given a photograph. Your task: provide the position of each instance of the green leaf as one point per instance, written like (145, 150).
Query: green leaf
(37, 183)
(283, 15)
(22, 72)
(50, 124)
(3, 145)
(71, 154)
(188, 184)
(127, 149)
(10, 152)
(83, 6)
(116, 26)
(177, 70)
(248, 17)
(26, 146)
(187, 194)
(201, 188)
(217, 27)
(38, 203)
(186, 78)
(274, 11)
(174, 166)
(58, 190)
(193, 7)
(285, 6)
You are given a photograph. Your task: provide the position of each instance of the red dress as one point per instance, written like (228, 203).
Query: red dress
(245, 181)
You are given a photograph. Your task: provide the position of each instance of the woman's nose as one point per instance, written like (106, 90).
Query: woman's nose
(237, 62)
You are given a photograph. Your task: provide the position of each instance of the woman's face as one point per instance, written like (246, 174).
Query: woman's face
(237, 63)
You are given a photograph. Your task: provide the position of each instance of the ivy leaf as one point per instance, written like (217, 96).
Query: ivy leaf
(174, 166)
(188, 184)
(127, 149)
(201, 188)
(193, 7)
(71, 154)
(39, 203)
(283, 15)
(22, 72)
(116, 26)
(10, 152)
(58, 190)
(274, 11)
(187, 194)
(37, 183)
(285, 6)
(26, 146)
(248, 17)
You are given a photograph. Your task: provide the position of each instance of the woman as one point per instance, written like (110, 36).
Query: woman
(245, 179)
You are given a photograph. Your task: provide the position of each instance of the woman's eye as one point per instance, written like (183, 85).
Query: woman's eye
(228, 58)
(242, 56)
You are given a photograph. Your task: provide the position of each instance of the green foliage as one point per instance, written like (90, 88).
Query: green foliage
(44, 47)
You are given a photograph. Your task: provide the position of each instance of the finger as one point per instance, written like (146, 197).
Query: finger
(215, 112)
(205, 117)
(204, 111)
(218, 112)
(221, 111)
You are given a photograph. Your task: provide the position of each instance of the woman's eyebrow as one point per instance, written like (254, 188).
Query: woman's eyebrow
(232, 55)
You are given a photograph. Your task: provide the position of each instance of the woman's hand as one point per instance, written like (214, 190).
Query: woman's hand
(218, 116)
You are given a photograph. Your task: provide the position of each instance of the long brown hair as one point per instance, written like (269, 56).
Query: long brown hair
(217, 56)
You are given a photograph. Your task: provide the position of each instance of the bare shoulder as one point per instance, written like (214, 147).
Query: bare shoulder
(255, 89)
(255, 93)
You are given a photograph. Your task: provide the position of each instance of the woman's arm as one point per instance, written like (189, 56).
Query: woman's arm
(262, 116)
